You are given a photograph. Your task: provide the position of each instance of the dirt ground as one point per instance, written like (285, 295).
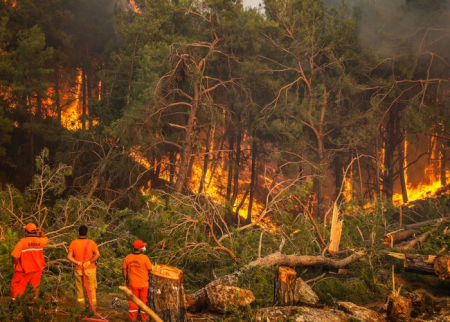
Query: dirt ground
(107, 307)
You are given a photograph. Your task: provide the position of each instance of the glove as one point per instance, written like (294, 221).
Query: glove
(86, 264)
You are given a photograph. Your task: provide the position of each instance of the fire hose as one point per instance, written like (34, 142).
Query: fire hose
(88, 290)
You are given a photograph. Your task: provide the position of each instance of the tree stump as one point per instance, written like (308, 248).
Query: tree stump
(166, 293)
(398, 308)
(285, 286)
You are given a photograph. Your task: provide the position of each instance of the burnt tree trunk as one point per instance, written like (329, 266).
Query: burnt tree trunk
(166, 293)
(83, 99)
(401, 166)
(284, 286)
(206, 159)
(339, 176)
(57, 94)
(237, 161)
(252, 188)
(443, 163)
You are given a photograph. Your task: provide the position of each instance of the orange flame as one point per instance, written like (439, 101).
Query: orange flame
(214, 185)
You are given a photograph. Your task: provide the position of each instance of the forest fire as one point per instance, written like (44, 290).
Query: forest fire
(134, 7)
(214, 185)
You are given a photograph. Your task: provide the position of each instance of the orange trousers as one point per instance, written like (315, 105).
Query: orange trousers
(20, 281)
(133, 310)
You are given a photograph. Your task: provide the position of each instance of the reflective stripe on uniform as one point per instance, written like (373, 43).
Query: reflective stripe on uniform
(32, 250)
(80, 300)
(133, 310)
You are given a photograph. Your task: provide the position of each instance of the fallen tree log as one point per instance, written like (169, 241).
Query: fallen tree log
(425, 264)
(412, 243)
(397, 236)
(140, 304)
(424, 223)
(278, 259)
(221, 298)
(198, 300)
(360, 313)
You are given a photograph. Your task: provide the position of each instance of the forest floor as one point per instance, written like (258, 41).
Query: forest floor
(114, 307)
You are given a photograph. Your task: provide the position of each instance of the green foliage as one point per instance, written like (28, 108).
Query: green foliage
(27, 308)
(8, 239)
(259, 280)
(236, 313)
(330, 290)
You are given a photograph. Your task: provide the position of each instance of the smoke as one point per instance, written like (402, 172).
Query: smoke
(401, 27)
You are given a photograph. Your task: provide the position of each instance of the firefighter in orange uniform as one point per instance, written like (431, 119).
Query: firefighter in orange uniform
(83, 252)
(28, 260)
(136, 268)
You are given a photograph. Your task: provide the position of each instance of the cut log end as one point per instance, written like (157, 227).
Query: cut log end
(166, 271)
(285, 274)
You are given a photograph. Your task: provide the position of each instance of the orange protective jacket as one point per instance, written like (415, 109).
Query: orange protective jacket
(30, 252)
(78, 247)
(138, 266)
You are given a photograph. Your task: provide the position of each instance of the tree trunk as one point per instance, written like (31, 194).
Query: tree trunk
(236, 169)
(83, 98)
(390, 139)
(172, 159)
(166, 293)
(284, 286)
(443, 163)
(206, 159)
(248, 220)
(230, 166)
(57, 94)
(338, 175)
(401, 164)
